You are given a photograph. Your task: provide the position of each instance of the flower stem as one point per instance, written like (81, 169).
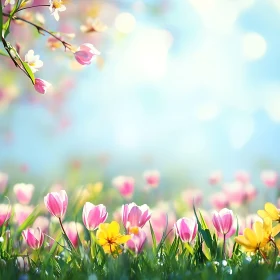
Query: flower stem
(224, 247)
(92, 244)
(70, 244)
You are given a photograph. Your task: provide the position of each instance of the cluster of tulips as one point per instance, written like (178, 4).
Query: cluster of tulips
(256, 239)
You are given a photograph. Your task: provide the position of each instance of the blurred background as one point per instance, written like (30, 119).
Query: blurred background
(185, 87)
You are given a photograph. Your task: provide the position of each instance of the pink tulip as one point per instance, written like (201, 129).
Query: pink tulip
(219, 200)
(193, 196)
(186, 229)
(269, 178)
(250, 192)
(5, 213)
(73, 231)
(22, 212)
(215, 177)
(43, 223)
(33, 238)
(137, 241)
(23, 264)
(242, 176)
(152, 178)
(158, 221)
(41, 85)
(134, 215)
(94, 215)
(223, 221)
(85, 54)
(56, 203)
(3, 181)
(231, 232)
(251, 219)
(23, 192)
(235, 193)
(125, 185)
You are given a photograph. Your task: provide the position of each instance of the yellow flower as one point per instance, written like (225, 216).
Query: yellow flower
(270, 211)
(257, 238)
(109, 237)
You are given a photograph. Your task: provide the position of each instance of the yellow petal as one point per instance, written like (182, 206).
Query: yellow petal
(267, 226)
(250, 235)
(272, 211)
(275, 230)
(263, 214)
(102, 242)
(113, 229)
(259, 231)
(240, 239)
(104, 226)
(123, 239)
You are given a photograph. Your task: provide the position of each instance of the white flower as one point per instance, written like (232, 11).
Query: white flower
(11, 2)
(33, 61)
(55, 7)
(1, 239)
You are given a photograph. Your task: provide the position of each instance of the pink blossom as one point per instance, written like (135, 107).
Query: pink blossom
(251, 219)
(152, 178)
(33, 238)
(186, 229)
(193, 196)
(251, 192)
(219, 200)
(242, 176)
(23, 192)
(215, 177)
(125, 185)
(235, 193)
(269, 178)
(56, 203)
(159, 221)
(73, 231)
(42, 222)
(94, 215)
(85, 54)
(134, 215)
(41, 85)
(3, 181)
(23, 264)
(137, 241)
(5, 213)
(22, 212)
(223, 221)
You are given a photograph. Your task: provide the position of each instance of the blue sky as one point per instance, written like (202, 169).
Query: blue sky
(196, 86)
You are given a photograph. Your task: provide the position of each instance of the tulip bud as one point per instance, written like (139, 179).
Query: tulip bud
(41, 85)
(94, 215)
(85, 54)
(56, 203)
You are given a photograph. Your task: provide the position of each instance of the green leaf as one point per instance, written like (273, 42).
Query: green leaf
(189, 248)
(205, 233)
(203, 223)
(29, 72)
(153, 237)
(6, 25)
(3, 53)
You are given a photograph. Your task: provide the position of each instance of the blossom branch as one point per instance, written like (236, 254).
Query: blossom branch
(25, 8)
(41, 30)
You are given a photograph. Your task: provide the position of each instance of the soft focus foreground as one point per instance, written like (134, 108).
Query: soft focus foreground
(138, 140)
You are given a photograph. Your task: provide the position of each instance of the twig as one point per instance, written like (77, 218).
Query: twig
(41, 30)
